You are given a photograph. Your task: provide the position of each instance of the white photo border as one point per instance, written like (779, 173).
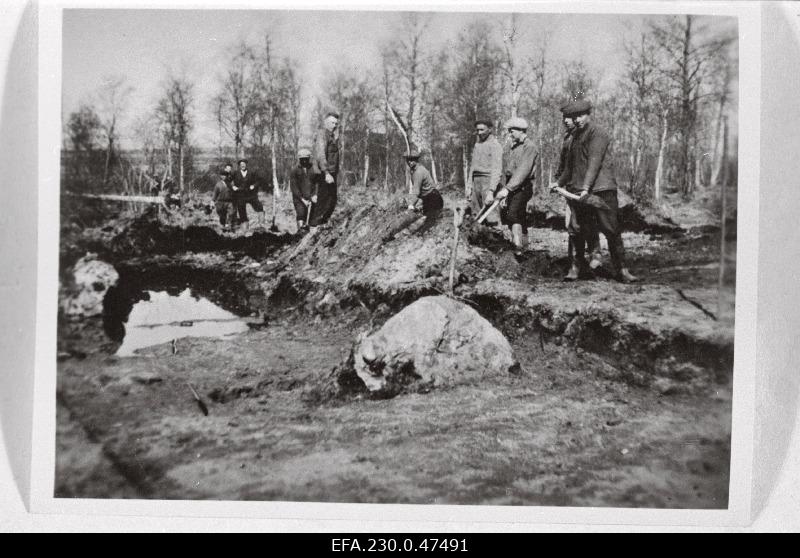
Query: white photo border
(411, 517)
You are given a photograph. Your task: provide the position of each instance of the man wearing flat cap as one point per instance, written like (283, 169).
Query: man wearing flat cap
(244, 185)
(519, 169)
(589, 172)
(484, 170)
(590, 234)
(303, 188)
(427, 191)
(325, 165)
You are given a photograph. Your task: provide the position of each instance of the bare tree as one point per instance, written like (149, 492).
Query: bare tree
(174, 112)
(112, 102)
(688, 61)
(235, 103)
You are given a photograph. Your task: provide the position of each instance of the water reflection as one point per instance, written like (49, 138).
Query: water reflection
(165, 317)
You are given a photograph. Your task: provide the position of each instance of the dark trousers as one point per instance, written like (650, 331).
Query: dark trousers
(241, 203)
(589, 219)
(515, 211)
(300, 209)
(224, 209)
(327, 197)
(432, 205)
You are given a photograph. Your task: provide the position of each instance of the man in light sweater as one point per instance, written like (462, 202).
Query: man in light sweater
(484, 171)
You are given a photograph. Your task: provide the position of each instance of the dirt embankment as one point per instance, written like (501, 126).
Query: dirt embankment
(622, 398)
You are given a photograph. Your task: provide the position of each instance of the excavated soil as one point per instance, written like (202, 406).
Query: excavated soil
(623, 398)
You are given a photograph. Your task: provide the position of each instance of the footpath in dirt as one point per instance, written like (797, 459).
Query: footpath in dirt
(622, 396)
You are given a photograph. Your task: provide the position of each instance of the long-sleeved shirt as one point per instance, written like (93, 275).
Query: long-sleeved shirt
(325, 153)
(562, 155)
(487, 159)
(519, 165)
(221, 192)
(423, 181)
(302, 182)
(588, 165)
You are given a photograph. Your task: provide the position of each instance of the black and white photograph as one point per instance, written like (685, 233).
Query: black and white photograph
(469, 258)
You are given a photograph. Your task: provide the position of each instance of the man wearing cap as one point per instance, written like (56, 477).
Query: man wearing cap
(427, 191)
(519, 169)
(325, 165)
(303, 187)
(244, 185)
(485, 168)
(590, 236)
(589, 169)
(222, 199)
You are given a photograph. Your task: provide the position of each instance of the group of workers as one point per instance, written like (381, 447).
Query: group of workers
(313, 184)
(585, 177)
(499, 186)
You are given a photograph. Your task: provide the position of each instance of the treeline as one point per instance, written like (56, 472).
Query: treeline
(667, 112)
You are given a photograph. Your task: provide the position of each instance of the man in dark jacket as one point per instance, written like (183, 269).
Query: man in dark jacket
(244, 185)
(519, 169)
(590, 173)
(304, 188)
(325, 163)
(222, 199)
(590, 234)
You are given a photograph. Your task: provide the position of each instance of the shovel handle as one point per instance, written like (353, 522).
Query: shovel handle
(486, 213)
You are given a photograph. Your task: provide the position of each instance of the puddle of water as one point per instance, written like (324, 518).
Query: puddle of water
(166, 317)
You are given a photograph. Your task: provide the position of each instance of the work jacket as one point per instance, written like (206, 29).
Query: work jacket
(588, 165)
(519, 165)
(221, 192)
(246, 185)
(563, 154)
(325, 154)
(423, 181)
(302, 184)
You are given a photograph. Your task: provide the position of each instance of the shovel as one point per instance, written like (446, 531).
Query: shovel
(484, 214)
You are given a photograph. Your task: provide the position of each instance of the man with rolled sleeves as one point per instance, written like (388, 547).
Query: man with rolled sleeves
(519, 169)
(484, 171)
(591, 236)
(303, 187)
(589, 169)
(244, 185)
(325, 164)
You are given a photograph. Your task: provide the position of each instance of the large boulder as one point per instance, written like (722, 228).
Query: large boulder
(435, 341)
(90, 281)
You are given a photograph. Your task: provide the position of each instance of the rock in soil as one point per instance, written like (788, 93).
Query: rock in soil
(435, 342)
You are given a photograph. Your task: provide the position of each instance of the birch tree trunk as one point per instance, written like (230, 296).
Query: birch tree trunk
(180, 169)
(661, 147)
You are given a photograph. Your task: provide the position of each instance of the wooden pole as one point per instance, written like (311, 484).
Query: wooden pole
(454, 254)
(722, 229)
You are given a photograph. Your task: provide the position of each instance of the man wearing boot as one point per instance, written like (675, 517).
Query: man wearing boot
(591, 236)
(484, 171)
(519, 169)
(303, 188)
(589, 168)
(325, 164)
(222, 200)
(245, 191)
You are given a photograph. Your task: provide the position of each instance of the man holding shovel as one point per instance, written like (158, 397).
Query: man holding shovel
(519, 169)
(589, 170)
(591, 237)
(303, 189)
(484, 170)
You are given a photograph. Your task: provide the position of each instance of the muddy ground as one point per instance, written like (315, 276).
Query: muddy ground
(623, 399)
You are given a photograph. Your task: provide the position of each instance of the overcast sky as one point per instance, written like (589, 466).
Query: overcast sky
(144, 45)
